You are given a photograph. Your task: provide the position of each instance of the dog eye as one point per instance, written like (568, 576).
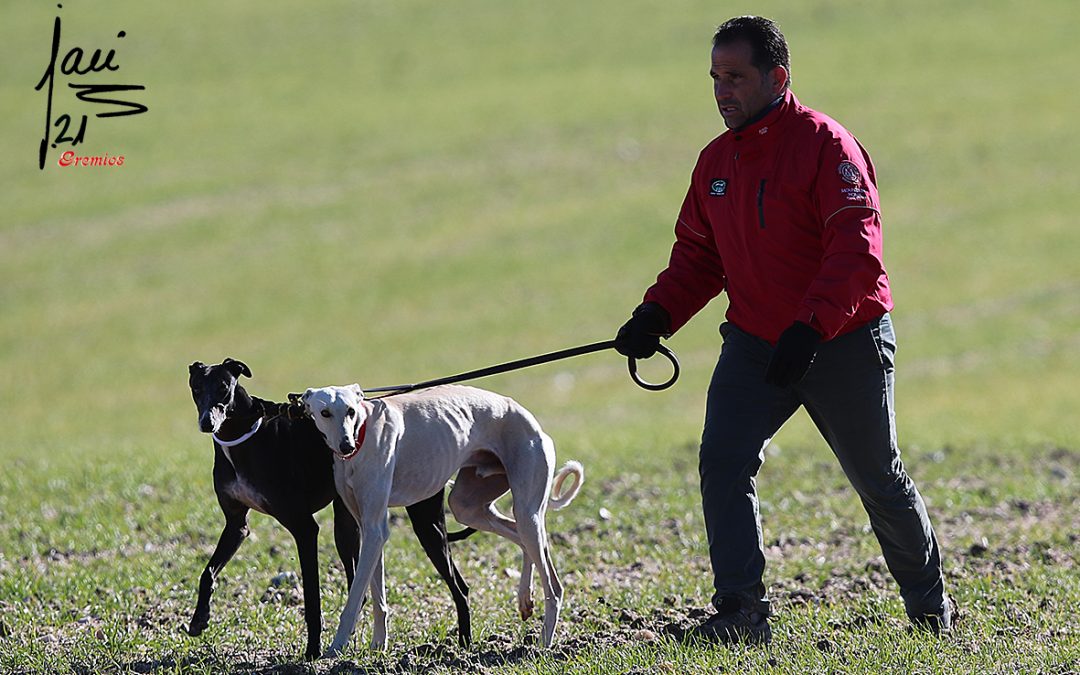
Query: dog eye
(326, 413)
(350, 412)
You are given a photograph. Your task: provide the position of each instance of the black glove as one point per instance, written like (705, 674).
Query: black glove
(639, 337)
(793, 355)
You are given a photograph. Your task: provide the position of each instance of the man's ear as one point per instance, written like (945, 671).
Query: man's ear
(779, 79)
(237, 368)
(355, 388)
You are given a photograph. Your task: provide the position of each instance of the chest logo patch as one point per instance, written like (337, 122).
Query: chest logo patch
(718, 188)
(849, 172)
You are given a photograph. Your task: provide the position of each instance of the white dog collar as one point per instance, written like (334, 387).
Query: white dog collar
(225, 445)
(228, 444)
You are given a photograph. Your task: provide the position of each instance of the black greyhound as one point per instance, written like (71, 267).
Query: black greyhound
(278, 464)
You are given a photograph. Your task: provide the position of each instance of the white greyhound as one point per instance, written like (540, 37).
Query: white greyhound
(399, 450)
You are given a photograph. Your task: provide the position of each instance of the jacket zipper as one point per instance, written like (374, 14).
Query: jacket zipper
(761, 204)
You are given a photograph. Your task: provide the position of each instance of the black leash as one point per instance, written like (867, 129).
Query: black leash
(535, 361)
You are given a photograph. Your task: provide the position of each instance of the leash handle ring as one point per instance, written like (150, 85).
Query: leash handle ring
(631, 364)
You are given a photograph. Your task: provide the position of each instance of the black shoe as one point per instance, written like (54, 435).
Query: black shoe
(747, 623)
(937, 624)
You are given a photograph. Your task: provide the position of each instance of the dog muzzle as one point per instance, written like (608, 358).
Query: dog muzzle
(361, 434)
(211, 420)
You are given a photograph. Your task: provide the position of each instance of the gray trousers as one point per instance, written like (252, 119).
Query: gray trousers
(848, 393)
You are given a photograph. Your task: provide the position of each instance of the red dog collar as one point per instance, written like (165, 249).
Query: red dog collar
(361, 433)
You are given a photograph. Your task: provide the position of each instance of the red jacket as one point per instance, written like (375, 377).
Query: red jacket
(784, 215)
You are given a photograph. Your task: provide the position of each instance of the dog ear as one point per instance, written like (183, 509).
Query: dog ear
(196, 367)
(237, 368)
(303, 401)
(297, 407)
(355, 388)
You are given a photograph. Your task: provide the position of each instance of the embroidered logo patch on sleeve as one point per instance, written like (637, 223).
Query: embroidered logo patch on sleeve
(855, 194)
(849, 172)
(718, 188)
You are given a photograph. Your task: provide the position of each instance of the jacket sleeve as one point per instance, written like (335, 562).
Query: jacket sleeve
(695, 272)
(846, 197)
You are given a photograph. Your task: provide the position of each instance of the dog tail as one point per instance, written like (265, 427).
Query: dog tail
(460, 534)
(561, 498)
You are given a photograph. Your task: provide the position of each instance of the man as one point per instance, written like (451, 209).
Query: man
(782, 213)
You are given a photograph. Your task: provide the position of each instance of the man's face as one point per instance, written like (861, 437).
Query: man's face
(741, 90)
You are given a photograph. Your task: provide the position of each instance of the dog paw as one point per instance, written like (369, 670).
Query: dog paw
(332, 653)
(197, 626)
(311, 654)
(464, 639)
(525, 607)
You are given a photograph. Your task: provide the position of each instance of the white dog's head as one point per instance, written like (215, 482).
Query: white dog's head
(339, 413)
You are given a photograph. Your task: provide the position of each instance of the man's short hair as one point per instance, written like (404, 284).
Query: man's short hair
(768, 47)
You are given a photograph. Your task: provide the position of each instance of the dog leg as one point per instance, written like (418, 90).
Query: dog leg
(530, 483)
(429, 523)
(556, 589)
(306, 533)
(379, 609)
(472, 502)
(373, 536)
(506, 527)
(534, 541)
(346, 539)
(524, 595)
(494, 521)
(233, 534)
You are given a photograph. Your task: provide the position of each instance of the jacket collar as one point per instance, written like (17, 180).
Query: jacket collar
(772, 114)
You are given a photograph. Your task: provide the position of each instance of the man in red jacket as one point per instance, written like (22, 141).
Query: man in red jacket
(782, 213)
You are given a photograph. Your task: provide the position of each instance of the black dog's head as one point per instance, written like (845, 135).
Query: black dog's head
(216, 391)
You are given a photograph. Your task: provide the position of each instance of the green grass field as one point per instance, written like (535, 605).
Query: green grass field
(387, 192)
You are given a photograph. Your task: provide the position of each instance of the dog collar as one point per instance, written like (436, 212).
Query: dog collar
(228, 444)
(361, 433)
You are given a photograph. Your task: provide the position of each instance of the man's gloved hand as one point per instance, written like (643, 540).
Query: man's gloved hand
(639, 337)
(793, 355)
